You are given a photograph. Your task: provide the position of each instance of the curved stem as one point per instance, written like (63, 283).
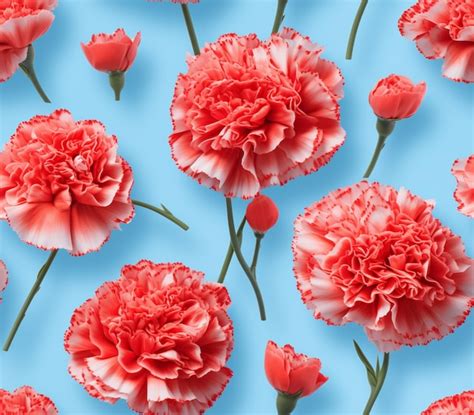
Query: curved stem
(378, 387)
(230, 252)
(355, 27)
(375, 156)
(256, 251)
(279, 15)
(238, 253)
(29, 70)
(189, 25)
(384, 128)
(163, 212)
(36, 287)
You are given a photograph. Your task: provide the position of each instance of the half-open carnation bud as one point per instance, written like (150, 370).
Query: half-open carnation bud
(113, 54)
(262, 214)
(292, 374)
(396, 97)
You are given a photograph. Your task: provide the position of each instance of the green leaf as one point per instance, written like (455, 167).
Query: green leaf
(165, 208)
(377, 367)
(371, 376)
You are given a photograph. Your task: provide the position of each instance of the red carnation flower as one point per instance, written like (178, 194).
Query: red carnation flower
(463, 171)
(377, 257)
(461, 404)
(63, 185)
(21, 23)
(25, 401)
(249, 114)
(158, 337)
(443, 29)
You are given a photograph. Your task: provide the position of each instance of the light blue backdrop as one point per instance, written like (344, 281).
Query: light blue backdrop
(418, 155)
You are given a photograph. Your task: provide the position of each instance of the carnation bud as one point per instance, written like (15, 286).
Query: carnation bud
(293, 375)
(262, 214)
(113, 54)
(396, 97)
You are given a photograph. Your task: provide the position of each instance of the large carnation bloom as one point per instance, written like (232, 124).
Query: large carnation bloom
(250, 114)
(21, 23)
(376, 256)
(62, 184)
(25, 401)
(158, 337)
(443, 29)
(463, 171)
(461, 404)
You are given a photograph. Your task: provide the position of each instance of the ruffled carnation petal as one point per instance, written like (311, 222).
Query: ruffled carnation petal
(26, 400)
(459, 62)
(20, 25)
(377, 257)
(463, 171)
(443, 29)
(460, 404)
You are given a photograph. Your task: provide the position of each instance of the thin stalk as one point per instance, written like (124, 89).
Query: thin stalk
(238, 253)
(189, 25)
(36, 287)
(384, 128)
(256, 251)
(378, 149)
(28, 68)
(378, 387)
(355, 27)
(163, 212)
(279, 15)
(230, 252)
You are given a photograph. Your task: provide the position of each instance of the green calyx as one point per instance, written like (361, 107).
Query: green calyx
(117, 82)
(286, 403)
(385, 127)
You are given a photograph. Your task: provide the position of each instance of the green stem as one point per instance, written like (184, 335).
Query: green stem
(29, 70)
(375, 156)
(163, 212)
(279, 15)
(256, 251)
(230, 252)
(355, 27)
(384, 128)
(189, 25)
(238, 253)
(36, 287)
(378, 387)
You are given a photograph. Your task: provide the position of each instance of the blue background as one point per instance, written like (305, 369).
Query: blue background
(418, 155)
